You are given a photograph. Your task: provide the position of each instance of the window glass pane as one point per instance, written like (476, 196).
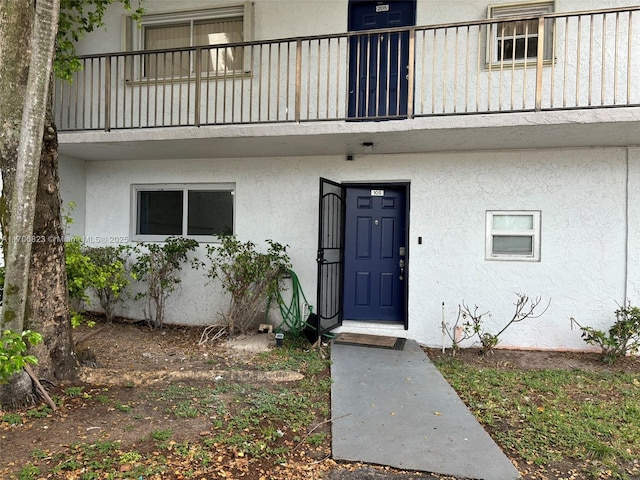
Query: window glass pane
(512, 245)
(159, 213)
(513, 222)
(165, 37)
(212, 32)
(210, 212)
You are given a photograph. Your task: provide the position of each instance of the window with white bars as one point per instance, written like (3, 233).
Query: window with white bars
(516, 41)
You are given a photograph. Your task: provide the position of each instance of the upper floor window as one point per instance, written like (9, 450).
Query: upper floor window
(517, 41)
(215, 27)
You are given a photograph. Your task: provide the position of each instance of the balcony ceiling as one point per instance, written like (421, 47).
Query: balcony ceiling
(531, 130)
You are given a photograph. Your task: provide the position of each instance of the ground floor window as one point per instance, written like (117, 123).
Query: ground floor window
(513, 235)
(201, 211)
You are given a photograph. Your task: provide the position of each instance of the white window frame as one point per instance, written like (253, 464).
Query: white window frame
(534, 233)
(510, 10)
(185, 187)
(133, 33)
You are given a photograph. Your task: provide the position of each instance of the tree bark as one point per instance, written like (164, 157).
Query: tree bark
(16, 21)
(44, 295)
(23, 197)
(48, 305)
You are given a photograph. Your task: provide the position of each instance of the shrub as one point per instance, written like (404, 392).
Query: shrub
(12, 352)
(623, 337)
(473, 323)
(158, 265)
(111, 275)
(250, 277)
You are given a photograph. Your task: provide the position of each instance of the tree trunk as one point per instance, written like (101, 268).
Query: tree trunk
(35, 269)
(16, 21)
(48, 305)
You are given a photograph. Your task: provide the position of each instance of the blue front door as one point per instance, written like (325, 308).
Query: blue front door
(375, 254)
(379, 63)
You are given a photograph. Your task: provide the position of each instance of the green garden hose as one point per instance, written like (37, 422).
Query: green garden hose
(292, 315)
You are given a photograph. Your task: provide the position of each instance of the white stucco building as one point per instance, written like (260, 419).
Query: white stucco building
(470, 158)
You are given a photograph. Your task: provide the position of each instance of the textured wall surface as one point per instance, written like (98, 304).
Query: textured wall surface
(581, 194)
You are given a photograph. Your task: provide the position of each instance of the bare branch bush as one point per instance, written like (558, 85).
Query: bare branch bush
(472, 322)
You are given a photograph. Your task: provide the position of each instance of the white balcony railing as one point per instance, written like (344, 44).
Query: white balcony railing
(564, 61)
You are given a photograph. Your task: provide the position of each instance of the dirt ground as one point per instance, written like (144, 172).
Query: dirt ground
(124, 362)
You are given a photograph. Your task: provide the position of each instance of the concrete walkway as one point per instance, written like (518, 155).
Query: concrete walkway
(394, 408)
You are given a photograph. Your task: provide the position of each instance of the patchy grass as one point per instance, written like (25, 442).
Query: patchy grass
(218, 429)
(551, 417)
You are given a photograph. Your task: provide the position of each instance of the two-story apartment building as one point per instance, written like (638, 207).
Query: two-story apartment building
(413, 154)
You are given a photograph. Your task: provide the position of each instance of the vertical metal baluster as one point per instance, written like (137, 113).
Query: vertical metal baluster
(524, 70)
(411, 73)
(387, 101)
(106, 127)
(233, 85)
(84, 96)
(501, 65)
(433, 70)
(604, 59)
(286, 103)
(423, 72)
(107, 93)
(197, 87)
(554, 26)
(540, 63)
(91, 89)
(565, 65)
(629, 66)
(207, 87)
(367, 84)
(164, 88)
(143, 80)
(478, 64)
(251, 76)
(513, 69)
(328, 76)
(173, 83)
(148, 87)
(615, 62)
(318, 81)
(308, 114)
(298, 78)
(338, 61)
(278, 83)
(356, 93)
(119, 75)
(224, 89)
(128, 66)
(455, 73)
(578, 60)
(444, 71)
(490, 74)
(466, 69)
(242, 99)
(269, 72)
(217, 76)
(591, 34)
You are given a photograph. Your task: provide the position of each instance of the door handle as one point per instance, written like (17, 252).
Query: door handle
(401, 264)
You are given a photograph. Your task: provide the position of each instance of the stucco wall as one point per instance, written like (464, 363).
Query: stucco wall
(289, 18)
(73, 191)
(581, 193)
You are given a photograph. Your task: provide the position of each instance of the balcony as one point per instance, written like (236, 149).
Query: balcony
(433, 78)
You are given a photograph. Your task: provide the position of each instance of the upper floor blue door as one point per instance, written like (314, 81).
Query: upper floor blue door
(379, 63)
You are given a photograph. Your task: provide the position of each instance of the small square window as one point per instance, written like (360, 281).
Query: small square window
(513, 235)
(201, 211)
(516, 41)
